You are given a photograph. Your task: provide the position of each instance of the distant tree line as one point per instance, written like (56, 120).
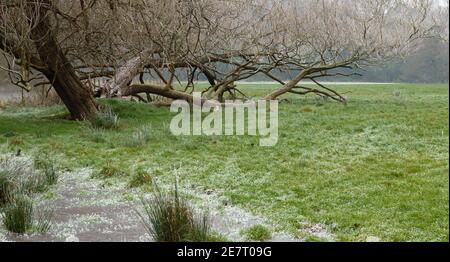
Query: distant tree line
(429, 64)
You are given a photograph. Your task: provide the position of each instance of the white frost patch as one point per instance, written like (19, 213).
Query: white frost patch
(3, 235)
(227, 219)
(19, 165)
(318, 231)
(72, 238)
(86, 209)
(78, 224)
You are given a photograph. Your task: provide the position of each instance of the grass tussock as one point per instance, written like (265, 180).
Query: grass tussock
(105, 119)
(97, 135)
(13, 174)
(42, 221)
(170, 218)
(257, 233)
(18, 215)
(139, 138)
(7, 188)
(48, 175)
(20, 180)
(109, 171)
(140, 178)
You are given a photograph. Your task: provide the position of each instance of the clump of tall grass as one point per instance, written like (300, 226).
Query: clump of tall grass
(140, 178)
(109, 171)
(97, 135)
(19, 216)
(38, 182)
(257, 233)
(47, 175)
(42, 221)
(19, 180)
(169, 217)
(139, 138)
(50, 175)
(7, 187)
(105, 119)
(12, 173)
(9, 134)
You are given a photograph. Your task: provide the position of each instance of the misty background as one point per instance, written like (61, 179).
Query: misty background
(429, 64)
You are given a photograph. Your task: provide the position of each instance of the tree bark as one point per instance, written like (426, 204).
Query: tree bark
(125, 74)
(157, 90)
(78, 99)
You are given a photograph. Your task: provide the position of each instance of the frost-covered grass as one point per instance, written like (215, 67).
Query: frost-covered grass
(169, 217)
(376, 168)
(257, 233)
(20, 182)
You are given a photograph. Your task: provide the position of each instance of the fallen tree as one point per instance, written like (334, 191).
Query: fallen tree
(170, 46)
(310, 39)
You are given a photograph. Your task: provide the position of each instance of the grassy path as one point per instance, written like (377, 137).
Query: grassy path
(85, 210)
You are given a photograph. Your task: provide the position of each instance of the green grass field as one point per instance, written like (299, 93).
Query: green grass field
(376, 167)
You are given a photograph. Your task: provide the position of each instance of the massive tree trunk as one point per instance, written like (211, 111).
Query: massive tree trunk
(78, 99)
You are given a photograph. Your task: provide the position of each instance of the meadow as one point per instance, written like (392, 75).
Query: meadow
(377, 167)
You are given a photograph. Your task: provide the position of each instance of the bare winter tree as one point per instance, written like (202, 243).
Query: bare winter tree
(327, 35)
(69, 44)
(182, 39)
(311, 39)
(29, 32)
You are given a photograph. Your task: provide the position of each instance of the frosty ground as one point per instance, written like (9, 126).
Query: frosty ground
(376, 169)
